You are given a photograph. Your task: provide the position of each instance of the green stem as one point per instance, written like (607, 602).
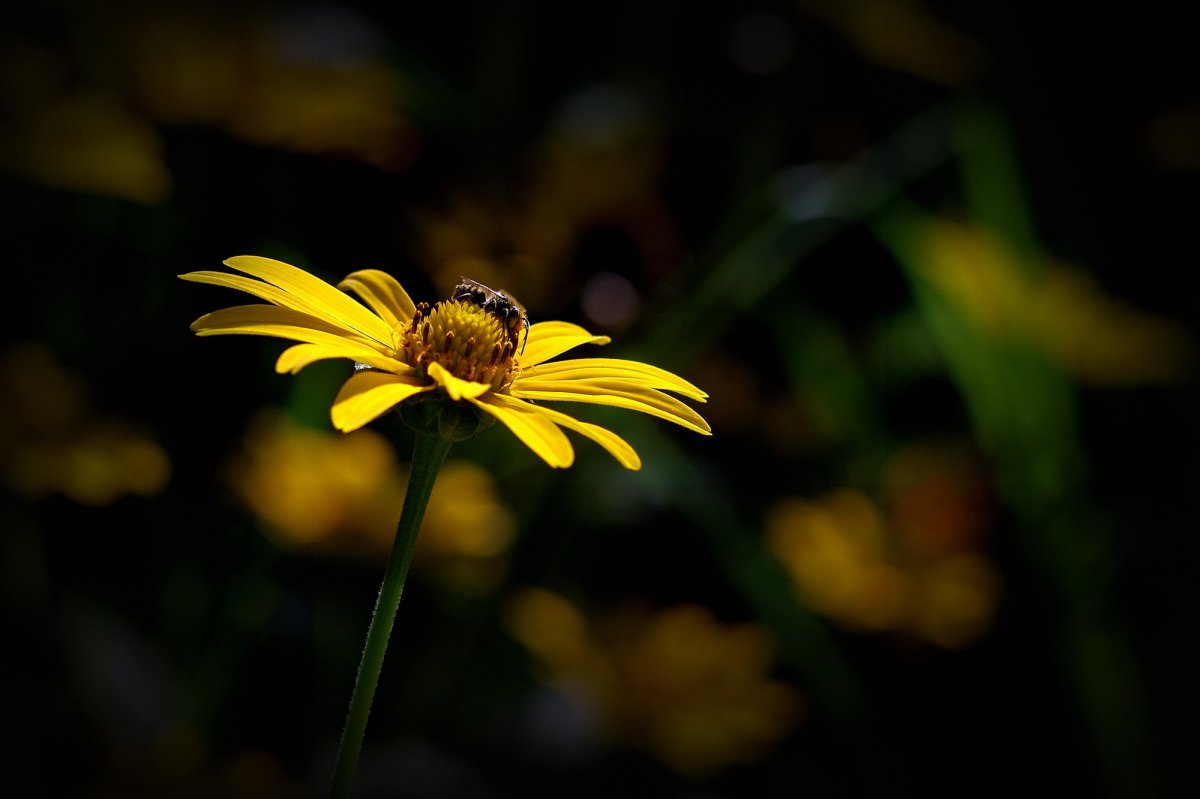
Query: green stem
(428, 455)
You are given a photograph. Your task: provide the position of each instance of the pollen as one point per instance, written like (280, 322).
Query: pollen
(468, 341)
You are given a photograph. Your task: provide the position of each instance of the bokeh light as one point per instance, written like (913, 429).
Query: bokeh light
(928, 260)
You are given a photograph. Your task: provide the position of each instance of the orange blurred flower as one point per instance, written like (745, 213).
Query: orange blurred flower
(915, 568)
(677, 683)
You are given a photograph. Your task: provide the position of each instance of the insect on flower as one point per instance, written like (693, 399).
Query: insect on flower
(499, 303)
(462, 351)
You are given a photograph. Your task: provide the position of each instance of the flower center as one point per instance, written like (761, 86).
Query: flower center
(469, 341)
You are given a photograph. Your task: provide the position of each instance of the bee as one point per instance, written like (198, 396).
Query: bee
(497, 302)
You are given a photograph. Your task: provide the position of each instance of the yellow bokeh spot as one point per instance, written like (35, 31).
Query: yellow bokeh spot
(52, 442)
(319, 491)
(1103, 340)
(979, 273)
(468, 529)
(1094, 337)
(905, 35)
(552, 629)
(466, 516)
(955, 600)
(318, 108)
(678, 683)
(322, 493)
(88, 142)
(876, 570)
(836, 551)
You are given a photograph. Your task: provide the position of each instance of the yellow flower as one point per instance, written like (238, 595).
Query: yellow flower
(52, 442)
(89, 142)
(677, 683)
(913, 570)
(1095, 337)
(467, 532)
(316, 491)
(461, 351)
(320, 493)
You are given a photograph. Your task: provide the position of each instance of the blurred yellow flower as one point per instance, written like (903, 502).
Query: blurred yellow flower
(1094, 337)
(904, 35)
(677, 683)
(257, 76)
(87, 142)
(272, 79)
(464, 350)
(321, 493)
(318, 492)
(1101, 339)
(954, 599)
(467, 531)
(51, 442)
(916, 570)
(835, 550)
(345, 111)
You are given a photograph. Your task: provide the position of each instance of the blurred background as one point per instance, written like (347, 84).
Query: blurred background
(926, 258)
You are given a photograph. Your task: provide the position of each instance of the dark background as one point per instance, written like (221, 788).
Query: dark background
(146, 615)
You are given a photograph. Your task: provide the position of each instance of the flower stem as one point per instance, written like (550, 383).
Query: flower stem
(428, 455)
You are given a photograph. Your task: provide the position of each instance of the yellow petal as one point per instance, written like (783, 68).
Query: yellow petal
(265, 291)
(293, 359)
(547, 339)
(587, 368)
(336, 306)
(616, 394)
(367, 395)
(383, 293)
(273, 320)
(455, 387)
(534, 428)
(616, 446)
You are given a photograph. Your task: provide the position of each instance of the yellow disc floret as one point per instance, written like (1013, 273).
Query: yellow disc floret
(468, 341)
